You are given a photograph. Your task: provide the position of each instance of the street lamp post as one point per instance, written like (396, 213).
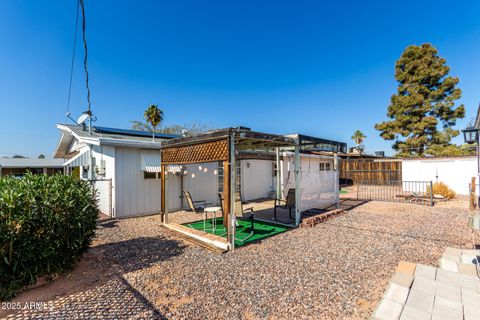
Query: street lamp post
(470, 134)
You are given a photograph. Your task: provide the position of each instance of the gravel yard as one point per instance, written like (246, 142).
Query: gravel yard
(335, 270)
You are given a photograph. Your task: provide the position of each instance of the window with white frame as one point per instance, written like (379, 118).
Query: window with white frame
(327, 166)
(322, 166)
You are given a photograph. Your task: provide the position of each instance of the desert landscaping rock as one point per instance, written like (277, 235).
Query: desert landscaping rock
(338, 269)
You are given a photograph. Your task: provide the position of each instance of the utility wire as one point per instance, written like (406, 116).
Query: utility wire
(85, 65)
(73, 62)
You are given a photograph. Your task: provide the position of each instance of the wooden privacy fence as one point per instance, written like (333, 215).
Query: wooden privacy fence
(352, 170)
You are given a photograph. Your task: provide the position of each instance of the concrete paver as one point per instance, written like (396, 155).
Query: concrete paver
(424, 271)
(424, 285)
(406, 267)
(411, 313)
(388, 310)
(420, 300)
(441, 312)
(397, 293)
(402, 279)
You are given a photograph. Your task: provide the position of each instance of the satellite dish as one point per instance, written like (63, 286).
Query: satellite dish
(82, 118)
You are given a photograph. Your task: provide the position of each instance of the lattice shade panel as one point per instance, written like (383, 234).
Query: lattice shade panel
(196, 153)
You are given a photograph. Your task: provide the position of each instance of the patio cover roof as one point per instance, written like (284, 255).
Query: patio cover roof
(214, 145)
(309, 143)
(227, 145)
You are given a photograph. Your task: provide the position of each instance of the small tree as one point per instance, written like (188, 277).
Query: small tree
(178, 129)
(358, 137)
(423, 110)
(154, 116)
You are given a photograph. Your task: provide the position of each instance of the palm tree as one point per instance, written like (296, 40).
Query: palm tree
(154, 116)
(358, 137)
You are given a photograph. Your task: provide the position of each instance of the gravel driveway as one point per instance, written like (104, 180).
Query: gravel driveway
(335, 270)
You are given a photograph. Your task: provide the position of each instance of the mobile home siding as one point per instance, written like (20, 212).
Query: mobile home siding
(257, 179)
(134, 194)
(203, 185)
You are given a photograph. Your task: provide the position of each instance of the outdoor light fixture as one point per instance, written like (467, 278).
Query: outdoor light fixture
(470, 135)
(185, 172)
(205, 169)
(193, 175)
(200, 168)
(215, 171)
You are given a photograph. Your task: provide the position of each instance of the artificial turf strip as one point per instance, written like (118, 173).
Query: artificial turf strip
(262, 229)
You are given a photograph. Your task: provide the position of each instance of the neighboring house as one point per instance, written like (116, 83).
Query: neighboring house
(20, 166)
(455, 172)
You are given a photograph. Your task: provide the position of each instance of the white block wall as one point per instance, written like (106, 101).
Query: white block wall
(454, 172)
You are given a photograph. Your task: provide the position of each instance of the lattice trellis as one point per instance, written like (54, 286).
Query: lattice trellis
(196, 153)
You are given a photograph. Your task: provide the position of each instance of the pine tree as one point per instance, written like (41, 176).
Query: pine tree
(423, 110)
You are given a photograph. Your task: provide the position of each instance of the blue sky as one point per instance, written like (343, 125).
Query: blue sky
(318, 68)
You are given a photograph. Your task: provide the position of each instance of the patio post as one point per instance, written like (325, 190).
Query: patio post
(166, 194)
(233, 184)
(91, 161)
(226, 197)
(337, 180)
(278, 192)
(298, 171)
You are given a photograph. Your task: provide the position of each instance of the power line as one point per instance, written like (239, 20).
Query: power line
(73, 61)
(85, 64)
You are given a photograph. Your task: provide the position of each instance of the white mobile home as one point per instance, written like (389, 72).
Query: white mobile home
(125, 165)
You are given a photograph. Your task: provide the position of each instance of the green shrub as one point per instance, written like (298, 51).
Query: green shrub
(46, 223)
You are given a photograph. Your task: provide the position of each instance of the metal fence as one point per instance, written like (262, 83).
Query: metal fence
(103, 187)
(396, 191)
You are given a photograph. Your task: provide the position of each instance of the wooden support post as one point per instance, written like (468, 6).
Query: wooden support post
(163, 193)
(167, 192)
(472, 193)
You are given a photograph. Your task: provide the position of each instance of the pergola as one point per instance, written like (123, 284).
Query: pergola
(226, 145)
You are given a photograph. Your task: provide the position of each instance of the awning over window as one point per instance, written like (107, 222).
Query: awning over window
(80, 160)
(151, 161)
(175, 168)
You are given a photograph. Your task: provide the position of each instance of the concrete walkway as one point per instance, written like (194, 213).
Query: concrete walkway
(418, 291)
